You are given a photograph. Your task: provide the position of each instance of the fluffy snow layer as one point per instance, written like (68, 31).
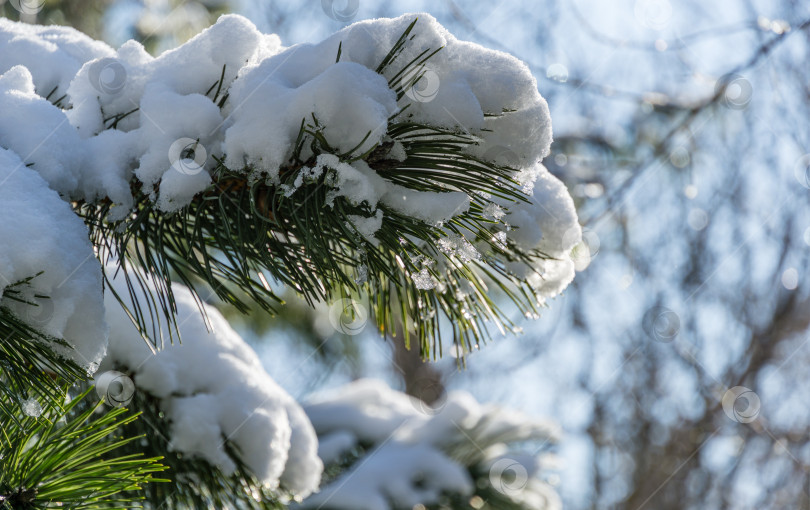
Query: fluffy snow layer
(416, 453)
(39, 132)
(461, 83)
(41, 234)
(212, 388)
(52, 54)
(548, 224)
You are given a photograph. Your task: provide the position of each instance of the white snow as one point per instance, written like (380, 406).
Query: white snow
(398, 152)
(178, 185)
(548, 224)
(171, 125)
(212, 387)
(428, 206)
(53, 54)
(424, 280)
(39, 132)
(174, 129)
(109, 170)
(191, 68)
(367, 227)
(42, 136)
(367, 408)
(395, 475)
(415, 453)
(356, 182)
(32, 408)
(41, 234)
(463, 81)
(494, 212)
(169, 117)
(268, 103)
(455, 244)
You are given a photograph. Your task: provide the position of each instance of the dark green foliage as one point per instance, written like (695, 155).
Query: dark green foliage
(70, 459)
(70, 453)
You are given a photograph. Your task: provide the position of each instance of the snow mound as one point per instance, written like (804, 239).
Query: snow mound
(459, 85)
(117, 84)
(42, 136)
(39, 132)
(53, 54)
(349, 99)
(212, 388)
(270, 90)
(548, 224)
(414, 453)
(42, 235)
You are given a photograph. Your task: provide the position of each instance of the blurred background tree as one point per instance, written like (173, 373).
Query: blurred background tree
(683, 128)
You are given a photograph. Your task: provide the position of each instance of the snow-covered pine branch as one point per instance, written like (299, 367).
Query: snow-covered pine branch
(210, 399)
(398, 452)
(390, 159)
(49, 276)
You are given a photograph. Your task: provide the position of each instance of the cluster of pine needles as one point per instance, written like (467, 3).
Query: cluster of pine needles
(60, 451)
(242, 232)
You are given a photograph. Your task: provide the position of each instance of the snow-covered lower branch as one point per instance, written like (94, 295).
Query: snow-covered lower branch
(213, 390)
(413, 454)
(46, 258)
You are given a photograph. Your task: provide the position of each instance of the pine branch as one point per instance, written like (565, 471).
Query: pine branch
(241, 229)
(195, 482)
(52, 454)
(32, 365)
(63, 458)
